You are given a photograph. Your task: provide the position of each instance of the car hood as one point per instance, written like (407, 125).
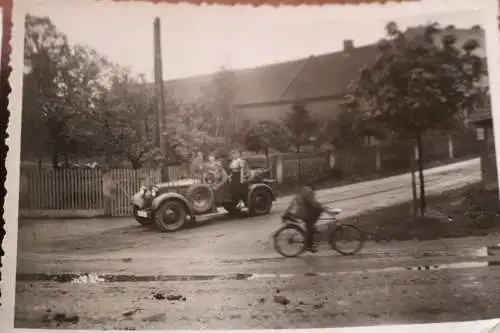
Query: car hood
(177, 183)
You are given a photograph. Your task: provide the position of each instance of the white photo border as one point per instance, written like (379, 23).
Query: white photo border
(357, 12)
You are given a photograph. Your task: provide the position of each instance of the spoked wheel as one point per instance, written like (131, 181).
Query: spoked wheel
(289, 241)
(171, 216)
(260, 202)
(347, 239)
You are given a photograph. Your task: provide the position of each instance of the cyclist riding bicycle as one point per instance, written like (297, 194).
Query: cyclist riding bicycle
(306, 208)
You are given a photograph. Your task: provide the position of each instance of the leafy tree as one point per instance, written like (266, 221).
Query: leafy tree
(220, 96)
(126, 123)
(301, 128)
(189, 130)
(266, 135)
(417, 85)
(62, 85)
(87, 81)
(46, 56)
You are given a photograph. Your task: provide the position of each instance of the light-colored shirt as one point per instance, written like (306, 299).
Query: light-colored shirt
(237, 165)
(240, 165)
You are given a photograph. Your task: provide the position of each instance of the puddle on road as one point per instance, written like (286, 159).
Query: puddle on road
(482, 252)
(99, 278)
(103, 278)
(87, 278)
(460, 265)
(92, 278)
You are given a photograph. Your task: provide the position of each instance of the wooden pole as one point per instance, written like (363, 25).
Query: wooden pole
(414, 187)
(159, 96)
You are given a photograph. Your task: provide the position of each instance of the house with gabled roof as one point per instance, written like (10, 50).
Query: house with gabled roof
(319, 81)
(269, 91)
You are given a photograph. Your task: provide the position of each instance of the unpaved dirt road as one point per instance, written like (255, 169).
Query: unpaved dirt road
(228, 276)
(217, 237)
(291, 302)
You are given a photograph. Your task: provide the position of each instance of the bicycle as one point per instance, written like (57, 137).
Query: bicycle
(336, 235)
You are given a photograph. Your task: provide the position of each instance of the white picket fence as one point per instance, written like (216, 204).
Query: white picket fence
(70, 191)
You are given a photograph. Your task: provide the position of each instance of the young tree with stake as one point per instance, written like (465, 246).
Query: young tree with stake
(266, 135)
(416, 86)
(301, 127)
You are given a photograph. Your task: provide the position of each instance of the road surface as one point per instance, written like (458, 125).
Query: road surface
(218, 237)
(227, 275)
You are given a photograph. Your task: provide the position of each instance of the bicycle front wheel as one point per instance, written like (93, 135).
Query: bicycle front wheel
(289, 241)
(347, 239)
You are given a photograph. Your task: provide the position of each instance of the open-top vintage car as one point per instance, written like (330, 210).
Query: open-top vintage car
(173, 205)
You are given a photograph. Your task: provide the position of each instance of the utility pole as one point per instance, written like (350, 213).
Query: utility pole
(159, 96)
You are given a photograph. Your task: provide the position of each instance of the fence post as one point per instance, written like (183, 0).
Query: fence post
(378, 159)
(451, 153)
(279, 168)
(24, 190)
(107, 191)
(331, 160)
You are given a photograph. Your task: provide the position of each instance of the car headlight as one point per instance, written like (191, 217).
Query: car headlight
(154, 191)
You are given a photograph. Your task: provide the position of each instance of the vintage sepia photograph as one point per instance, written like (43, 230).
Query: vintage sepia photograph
(196, 167)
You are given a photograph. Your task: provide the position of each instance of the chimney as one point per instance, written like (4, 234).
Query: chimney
(348, 45)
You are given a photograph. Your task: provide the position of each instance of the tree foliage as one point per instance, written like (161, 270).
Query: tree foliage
(266, 135)
(417, 84)
(301, 127)
(77, 103)
(127, 122)
(60, 83)
(219, 97)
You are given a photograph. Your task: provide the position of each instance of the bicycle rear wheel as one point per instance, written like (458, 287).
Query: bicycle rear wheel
(289, 241)
(346, 236)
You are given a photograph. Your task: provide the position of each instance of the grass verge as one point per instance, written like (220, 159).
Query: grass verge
(465, 212)
(290, 187)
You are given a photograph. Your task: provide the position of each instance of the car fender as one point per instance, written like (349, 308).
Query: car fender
(138, 200)
(253, 187)
(170, 195)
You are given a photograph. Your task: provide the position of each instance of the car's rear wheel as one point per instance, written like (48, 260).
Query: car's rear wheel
(171, 216)
(260, 201)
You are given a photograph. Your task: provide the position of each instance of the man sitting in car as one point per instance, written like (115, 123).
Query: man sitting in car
(214, 172)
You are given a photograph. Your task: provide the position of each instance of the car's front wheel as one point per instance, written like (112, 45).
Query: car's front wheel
(171, 216)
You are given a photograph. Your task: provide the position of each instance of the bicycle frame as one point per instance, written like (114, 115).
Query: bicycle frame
(333, 225)
(299, 222)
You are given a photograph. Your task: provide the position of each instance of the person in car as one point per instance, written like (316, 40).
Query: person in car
(215, 173)
(197, 167)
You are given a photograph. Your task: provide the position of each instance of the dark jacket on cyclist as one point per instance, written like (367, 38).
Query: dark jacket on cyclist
(305, 207)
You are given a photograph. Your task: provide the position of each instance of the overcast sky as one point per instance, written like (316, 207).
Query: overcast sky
(201, 39)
